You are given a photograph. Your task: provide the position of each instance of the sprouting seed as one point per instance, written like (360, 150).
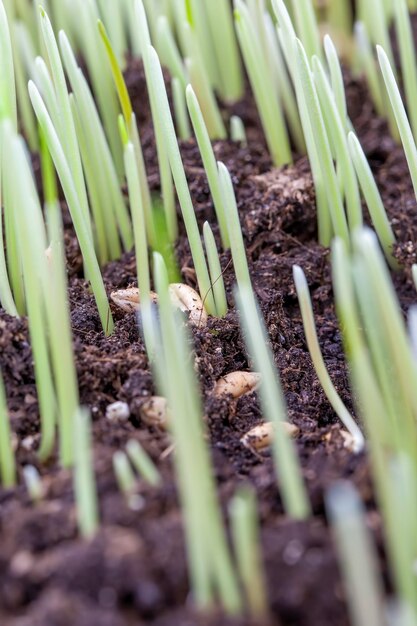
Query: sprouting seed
(33, 483)
(260, 437)
(182, 297)
(129, 299)
(188, 301)
(349, 441)
(237, 384)
(155, 412)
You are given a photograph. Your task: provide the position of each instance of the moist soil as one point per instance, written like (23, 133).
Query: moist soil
(134, 571)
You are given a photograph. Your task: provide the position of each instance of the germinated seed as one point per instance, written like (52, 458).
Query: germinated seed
(237, 384)
(260, 437)
(129, 299)
(182, 297)
(155, 412)
(349, 441)
(188, 301)
(33, 482)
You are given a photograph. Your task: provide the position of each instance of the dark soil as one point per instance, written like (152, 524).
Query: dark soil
(134, 571)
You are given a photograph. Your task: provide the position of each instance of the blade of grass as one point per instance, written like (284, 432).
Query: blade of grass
(225, 48)
(7, 460)
(130, 120)
(287, 468)
(143, 463)
(84, 480)
(171, 146)
(200, 43)
(81, 228)
(112, 17)
(339, 16)
(392, 320)
(141, 244)
(408, 59)
(357, 555)
(212, 114)
(94, 192)
(25, 111)
(237, 244)
(43, 80)
(65, 129)
(373, 199)
(101, 76)
(60, 335)
(111, 198)
(6, 296)
(273, 122)
(209, 161)
(246, 541)
(30, 226)
(372, 407)
(376, 22)
(284, 85)
(8, 105)
(11, 238)
(125, 477)
(167, 187)
(210, 563)
(400, 115)
(238, 130)
(216, 274)
(336, 79)
(367, 62)
(169, 53)
(180, 109)
(287, 38)
(337, 124)
(323, 148)
(332, 395)
(307, 27)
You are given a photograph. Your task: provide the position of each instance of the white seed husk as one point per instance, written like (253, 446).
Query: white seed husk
(118, 411)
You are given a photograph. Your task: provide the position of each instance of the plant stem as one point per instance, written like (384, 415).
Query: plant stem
(7, 460)
(84, 480)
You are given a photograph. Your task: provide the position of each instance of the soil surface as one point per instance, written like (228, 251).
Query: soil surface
(134, 571)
